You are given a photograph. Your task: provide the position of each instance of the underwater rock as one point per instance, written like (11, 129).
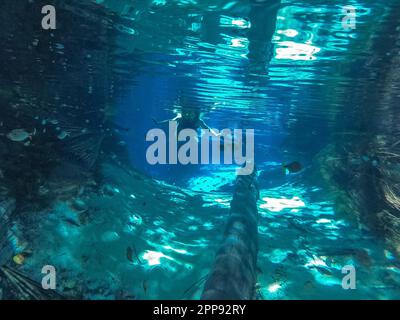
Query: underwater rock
(67, 179)
(20, 135)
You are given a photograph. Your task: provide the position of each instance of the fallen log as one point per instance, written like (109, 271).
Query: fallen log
(233, 276)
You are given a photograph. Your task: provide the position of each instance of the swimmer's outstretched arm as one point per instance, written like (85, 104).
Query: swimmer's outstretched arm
(203, 125)
(168, 120)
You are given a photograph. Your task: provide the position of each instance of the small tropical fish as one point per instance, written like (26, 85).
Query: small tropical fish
(19, 259)
(83, 217)
(62, 135)
(129, 254)
(292, 167)
(71, 222)
(145, 286)
(323, 270)
(132, 253)
(20, 135)
(125, 295)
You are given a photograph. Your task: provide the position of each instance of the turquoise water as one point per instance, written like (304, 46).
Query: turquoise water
(84, 195)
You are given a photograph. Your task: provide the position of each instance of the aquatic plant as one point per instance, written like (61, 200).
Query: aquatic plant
(86, 147)
(21, 287)
(362, 168)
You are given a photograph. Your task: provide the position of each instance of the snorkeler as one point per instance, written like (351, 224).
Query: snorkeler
(189, 118)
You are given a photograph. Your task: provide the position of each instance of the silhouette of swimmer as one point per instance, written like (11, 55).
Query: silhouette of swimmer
(189, 118)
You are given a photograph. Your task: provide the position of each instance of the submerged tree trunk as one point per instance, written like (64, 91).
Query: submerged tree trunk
(233, 276)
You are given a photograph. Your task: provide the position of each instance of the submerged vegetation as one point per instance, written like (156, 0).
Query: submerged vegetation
(52, 134)
(363, 163)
